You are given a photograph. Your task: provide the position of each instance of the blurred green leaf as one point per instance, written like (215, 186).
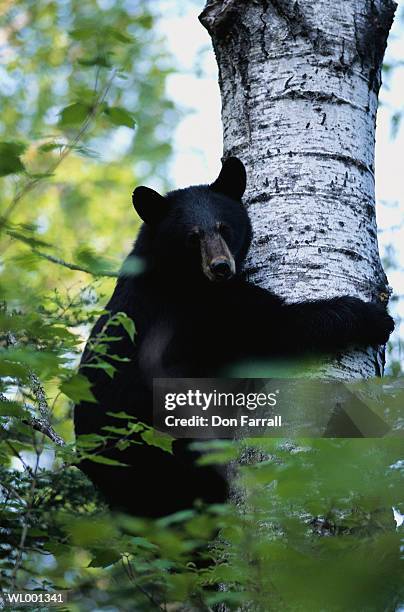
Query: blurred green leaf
(120, 116)
(105, 558)
(74, 114)
(96, 60)
(50, 146)
(10, 162)
(29, 239)
(11, 408)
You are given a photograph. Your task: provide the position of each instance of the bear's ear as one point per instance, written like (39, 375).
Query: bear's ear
(149, 205)
(232, 179)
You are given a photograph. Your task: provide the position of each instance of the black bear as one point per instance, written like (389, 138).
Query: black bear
(195, 314)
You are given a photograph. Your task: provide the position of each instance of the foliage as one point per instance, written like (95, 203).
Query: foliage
(84, 118)
(315, 531)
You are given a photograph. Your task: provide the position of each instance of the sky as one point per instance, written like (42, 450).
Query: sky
(198, 137)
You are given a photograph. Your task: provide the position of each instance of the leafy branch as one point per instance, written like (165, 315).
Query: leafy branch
(42, 424)
(73, 266)
(66, 149)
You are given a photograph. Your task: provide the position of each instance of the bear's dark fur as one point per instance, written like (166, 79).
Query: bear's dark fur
(195, 314)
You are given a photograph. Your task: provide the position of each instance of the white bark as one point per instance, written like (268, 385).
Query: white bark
(299, 83)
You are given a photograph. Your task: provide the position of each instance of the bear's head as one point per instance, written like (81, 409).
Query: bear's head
(201, 229)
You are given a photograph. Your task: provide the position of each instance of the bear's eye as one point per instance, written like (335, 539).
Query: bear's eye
(224, 230)
(193, 238)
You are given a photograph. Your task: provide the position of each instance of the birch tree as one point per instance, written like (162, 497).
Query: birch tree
(299, 82)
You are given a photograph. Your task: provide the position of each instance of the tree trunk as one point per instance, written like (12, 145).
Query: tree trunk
(299, 82)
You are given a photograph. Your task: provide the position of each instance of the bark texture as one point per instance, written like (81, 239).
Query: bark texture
(299, 82)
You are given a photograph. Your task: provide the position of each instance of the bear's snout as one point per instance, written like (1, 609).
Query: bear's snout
(221, 269)
(217, 261)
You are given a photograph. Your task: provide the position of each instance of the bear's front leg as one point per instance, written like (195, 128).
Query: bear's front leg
(335, 324)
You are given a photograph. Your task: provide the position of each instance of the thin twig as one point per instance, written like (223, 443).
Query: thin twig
(17, 455)
(72, 266)
(131, 575)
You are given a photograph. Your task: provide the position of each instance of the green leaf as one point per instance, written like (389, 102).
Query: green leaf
(89, 441)
(8, 368)
(50, 146)
(10, 162)
(120, 116)
(178, 517)
(78, 388)
(137, 427)
(121, 37)
(143, 543)
(31, 240)
(123, 444)
(19, 360)
(94, 31)
(10, 408)
(102, 365)
(97, 60)
(105, 460)
(121, 431)
(93, 261)
(82, 33)
(121, 415)
(74, 114)
(156, 438)
(104, 558)
(127, 323)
